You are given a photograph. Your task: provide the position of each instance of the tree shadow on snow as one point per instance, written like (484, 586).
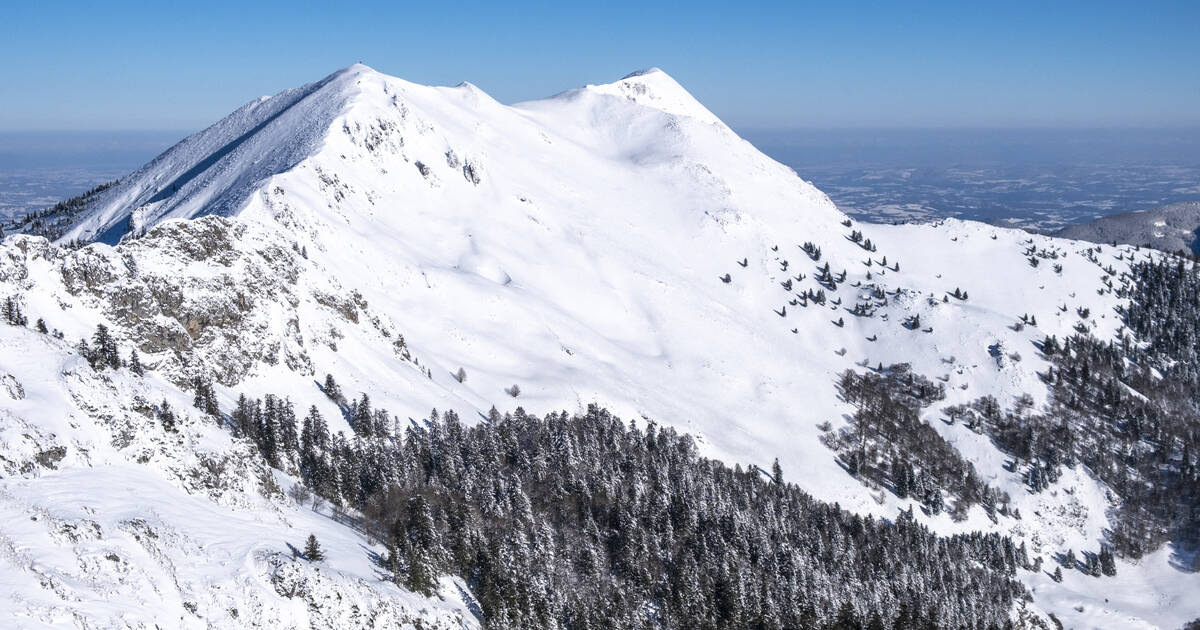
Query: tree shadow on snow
(1185, 557)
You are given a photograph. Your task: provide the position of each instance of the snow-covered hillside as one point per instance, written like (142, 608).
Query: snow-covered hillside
(1171, 228)
(111, 521)
(615, 244)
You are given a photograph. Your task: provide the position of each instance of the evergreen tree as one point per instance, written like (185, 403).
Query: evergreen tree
(166, 416)
(331, 389)
(846, 619)
(312, 549)
(310, 456)
(360, 418)
(135, 363)
(904, 620)
(267, 420)
(12, 312)
(901, 477)
(106, 347)
(243, 419)
(288, 438)
(1108, 563)
(421, 576)
(204, 398)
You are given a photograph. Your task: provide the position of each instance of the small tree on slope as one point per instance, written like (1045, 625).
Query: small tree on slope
(312, 549)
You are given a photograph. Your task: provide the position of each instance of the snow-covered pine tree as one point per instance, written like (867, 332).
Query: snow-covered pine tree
(1108, 563)
(12, 312)
(135, 363)
(104, 349)
(331, 389)
(166, 416)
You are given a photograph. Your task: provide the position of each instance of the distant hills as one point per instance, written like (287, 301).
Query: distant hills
(1169, 228)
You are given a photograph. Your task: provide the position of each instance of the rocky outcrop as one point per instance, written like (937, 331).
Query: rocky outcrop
(213, 295)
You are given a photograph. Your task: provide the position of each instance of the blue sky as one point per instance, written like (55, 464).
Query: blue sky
(181, 66)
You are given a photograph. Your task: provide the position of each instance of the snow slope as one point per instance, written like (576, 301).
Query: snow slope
(207, 172)
(112, 522)
(574, 246)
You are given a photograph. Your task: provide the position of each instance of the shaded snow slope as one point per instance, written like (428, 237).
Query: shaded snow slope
(390, 233)
(215, 170)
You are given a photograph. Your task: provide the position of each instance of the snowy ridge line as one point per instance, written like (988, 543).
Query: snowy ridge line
(203, 173)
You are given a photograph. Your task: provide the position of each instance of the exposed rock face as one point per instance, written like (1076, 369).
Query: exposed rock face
(213, 295)
(11, 386)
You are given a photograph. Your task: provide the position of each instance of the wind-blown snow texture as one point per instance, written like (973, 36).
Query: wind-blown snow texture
(574, 246)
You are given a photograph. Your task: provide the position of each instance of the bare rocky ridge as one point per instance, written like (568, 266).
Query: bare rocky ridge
(206, 295)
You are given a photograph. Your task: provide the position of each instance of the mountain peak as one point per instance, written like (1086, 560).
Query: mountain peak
(355, 69)
(642, 72)
(652, 87)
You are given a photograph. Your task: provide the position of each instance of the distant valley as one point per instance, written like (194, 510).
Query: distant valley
(1035, 179)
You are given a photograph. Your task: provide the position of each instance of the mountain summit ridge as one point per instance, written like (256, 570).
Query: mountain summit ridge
(653, 87)
(273, 134)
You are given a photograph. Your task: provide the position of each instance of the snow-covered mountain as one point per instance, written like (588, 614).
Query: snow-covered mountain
(614, 244)
(1171, 228)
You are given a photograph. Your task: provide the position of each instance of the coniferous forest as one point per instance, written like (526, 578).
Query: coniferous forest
(584, 521)
(1127, 410)
(54, 221)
